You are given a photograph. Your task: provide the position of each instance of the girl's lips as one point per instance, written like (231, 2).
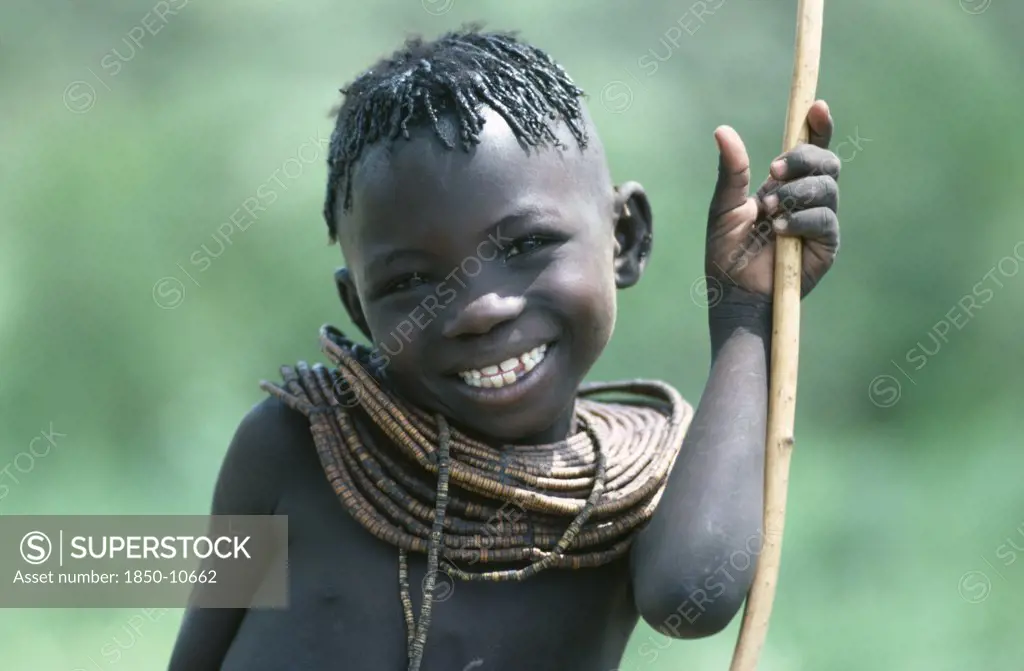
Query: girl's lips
(508, 372)
(515, 392)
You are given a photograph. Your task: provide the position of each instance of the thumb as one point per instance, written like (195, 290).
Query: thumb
(731, 191)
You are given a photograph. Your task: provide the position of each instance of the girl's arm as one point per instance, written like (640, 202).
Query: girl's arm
(249, 483)
(694, 562)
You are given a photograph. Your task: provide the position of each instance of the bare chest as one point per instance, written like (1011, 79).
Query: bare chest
(346, 611)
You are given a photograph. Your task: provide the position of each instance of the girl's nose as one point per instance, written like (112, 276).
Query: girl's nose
(482, 314)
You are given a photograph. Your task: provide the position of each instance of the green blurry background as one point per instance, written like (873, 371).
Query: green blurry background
(121, 159)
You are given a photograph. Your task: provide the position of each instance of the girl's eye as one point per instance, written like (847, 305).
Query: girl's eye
(524, 245)
(408, 282)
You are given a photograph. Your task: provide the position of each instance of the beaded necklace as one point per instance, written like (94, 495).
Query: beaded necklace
(584, 497)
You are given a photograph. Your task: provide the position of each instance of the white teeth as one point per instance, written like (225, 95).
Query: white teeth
(505, 373)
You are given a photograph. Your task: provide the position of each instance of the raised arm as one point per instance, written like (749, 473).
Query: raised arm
(248, 483)
(694, 562)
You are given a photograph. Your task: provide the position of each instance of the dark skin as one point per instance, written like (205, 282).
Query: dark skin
(567, 240)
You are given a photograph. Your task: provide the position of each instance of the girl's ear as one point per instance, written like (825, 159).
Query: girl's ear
(633, 233)
(350, 299)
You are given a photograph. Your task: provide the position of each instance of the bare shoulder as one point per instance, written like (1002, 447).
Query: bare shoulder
(262, 455)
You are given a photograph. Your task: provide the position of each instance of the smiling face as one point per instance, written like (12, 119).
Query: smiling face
(487, 279)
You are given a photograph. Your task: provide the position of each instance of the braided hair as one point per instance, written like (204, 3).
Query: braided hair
(458, 73)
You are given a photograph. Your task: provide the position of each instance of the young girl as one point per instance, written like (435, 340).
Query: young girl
(456, 499)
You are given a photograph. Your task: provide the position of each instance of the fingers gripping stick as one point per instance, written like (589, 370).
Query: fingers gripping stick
(785, 344)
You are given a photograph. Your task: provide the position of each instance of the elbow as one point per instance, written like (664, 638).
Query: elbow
(690, 607)
(693, 588)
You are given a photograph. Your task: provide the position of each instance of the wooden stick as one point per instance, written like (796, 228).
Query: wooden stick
(784, 358)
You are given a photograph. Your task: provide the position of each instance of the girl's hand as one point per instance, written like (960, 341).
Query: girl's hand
(800, 197)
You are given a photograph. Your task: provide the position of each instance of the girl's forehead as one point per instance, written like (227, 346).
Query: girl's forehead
(498, 164)
(421, 180)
